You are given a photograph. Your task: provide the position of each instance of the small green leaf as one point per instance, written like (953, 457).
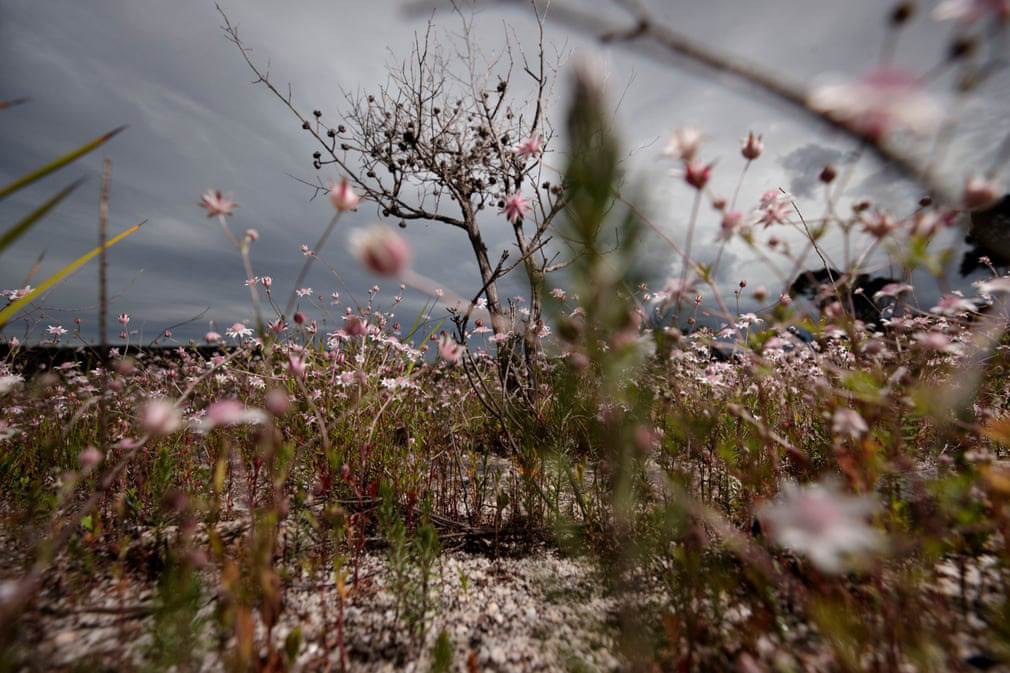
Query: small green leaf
(441, 654)
(293, 643)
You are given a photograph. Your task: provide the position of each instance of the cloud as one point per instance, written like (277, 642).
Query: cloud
(197, 122)
(804, 166)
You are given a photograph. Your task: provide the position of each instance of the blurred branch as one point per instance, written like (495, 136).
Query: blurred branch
(652, 39)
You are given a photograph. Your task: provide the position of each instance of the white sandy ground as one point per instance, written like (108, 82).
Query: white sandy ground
(538, 611)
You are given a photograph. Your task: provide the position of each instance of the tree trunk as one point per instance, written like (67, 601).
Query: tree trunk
(486, 276)
(531, 340)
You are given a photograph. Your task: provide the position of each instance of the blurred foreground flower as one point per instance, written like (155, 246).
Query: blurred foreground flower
(848, 422)
(994, 286)
(229, 412)
(342, 196)
(880, 101)
(823, 524)
(980, 192)
(89, 459)
(449, 349)
(970, 11)
(953, 304)
(9, 382)
(381, 249)
(683, 143)
(161, 417)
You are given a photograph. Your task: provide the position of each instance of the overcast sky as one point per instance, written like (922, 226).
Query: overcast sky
(196, 122)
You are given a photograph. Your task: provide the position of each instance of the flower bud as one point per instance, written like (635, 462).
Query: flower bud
(342, 196)
(381, 249)
(751, 147)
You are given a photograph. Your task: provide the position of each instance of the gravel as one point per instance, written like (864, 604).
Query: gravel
(538, 612)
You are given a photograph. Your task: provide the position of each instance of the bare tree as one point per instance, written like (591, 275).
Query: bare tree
(453, 132)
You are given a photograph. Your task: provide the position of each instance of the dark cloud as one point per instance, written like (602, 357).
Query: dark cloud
(196, 122)
(888, 188)
(804, 166)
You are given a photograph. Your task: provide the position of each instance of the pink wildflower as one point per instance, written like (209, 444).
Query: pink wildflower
(996, 285)
(675, 290)
(979, 192)
(879, 225)
(56, 330)
(936, 341)
(531, 147)
(124, 318)
(216, 204)
(925, 224)
(296, 365)
(683, 143)
(774, 208)
(238, 331)
(449, 349)
(892, 290)
(212, 337)
(952, 304)
(877, 103)
(731, 221)
(342, 196)
(515, 208)
(381, 249)
(697, 175)
(355, 326)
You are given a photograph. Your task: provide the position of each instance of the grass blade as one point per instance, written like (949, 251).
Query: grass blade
(35, 268)
(21, 227)
(4, 104)
(57, 164)
(17, 305)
